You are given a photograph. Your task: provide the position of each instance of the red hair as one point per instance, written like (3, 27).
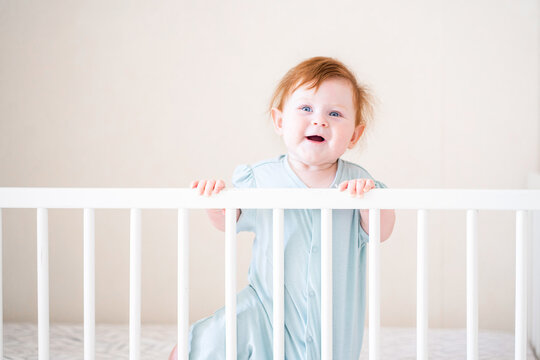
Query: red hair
(315, 71)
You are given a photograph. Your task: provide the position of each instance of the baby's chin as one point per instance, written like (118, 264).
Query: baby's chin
(320, 155)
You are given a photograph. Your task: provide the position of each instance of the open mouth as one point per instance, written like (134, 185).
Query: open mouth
(315, 138)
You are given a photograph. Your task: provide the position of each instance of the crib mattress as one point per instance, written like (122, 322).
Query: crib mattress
(112, 342)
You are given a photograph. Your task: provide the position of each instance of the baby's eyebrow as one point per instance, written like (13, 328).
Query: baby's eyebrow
(338, 106)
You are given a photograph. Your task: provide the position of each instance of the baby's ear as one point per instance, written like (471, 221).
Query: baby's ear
(277, 118)
(357, 134)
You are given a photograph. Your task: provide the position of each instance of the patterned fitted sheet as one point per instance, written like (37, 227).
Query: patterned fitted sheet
(112, 342)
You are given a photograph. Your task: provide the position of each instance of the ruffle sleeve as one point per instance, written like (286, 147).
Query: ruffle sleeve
(243, 178)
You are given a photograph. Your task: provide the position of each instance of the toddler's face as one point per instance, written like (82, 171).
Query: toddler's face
(318, 126)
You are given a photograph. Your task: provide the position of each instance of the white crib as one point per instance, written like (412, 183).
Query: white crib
(524, 202)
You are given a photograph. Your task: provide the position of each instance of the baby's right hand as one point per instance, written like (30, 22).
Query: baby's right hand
(208, 187)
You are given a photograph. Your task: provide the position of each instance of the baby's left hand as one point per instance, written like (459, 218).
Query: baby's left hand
(357, 187)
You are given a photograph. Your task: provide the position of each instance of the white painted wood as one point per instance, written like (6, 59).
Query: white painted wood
(43, 282)
(278, 283)
(472, 284)
(530, 280)
(230, 283)
(44, 198)
(183, 283)
(135, 285)
(1, 292)
(374, 284)
(326, 284)
(269, 199)
(89, 285)
(422, 305)
(533, 182)
(521, 285)
(534, 241)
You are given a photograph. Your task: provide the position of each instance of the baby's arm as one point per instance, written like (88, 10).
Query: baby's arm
(388, 217)
(209, 187)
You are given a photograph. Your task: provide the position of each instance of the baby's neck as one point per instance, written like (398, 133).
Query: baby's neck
(314, 176)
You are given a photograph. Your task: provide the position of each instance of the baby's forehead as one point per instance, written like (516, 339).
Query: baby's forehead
(315, 84)
(333, 88)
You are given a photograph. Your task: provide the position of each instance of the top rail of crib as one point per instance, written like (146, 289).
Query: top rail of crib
(175, 198)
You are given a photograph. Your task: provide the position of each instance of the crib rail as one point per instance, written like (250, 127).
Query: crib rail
(521, 201)
(107, 198)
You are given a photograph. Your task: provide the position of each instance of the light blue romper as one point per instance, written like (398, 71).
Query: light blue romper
(302, 276)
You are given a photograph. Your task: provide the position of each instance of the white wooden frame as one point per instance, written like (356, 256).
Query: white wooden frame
(521, 201)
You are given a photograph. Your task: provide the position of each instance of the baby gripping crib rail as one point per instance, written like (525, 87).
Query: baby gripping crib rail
(521, 201)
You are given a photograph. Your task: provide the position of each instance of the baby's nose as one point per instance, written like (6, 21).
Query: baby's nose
(320, 122)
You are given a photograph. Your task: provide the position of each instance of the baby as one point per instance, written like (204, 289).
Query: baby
(320, 111)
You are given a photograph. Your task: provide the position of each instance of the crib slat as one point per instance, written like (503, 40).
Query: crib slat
(374, 283)
(534, 281)
(135, 285)
(278, 279)
(326, 284)
(521, 285)
(43, 282)
(230, 283)
(89, 285)
(183, 283)
(1, 293)
(472, 284)
(422, 298)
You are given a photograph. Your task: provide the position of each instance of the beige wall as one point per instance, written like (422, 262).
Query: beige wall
(141, 94)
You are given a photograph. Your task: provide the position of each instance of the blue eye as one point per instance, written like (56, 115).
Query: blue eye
(306, 107)
(336, 113)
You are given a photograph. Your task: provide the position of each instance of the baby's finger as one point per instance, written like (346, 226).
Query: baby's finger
(209, 187)
(360, 186)
(194, 184)
(369, 185)
(352, 187)
(220, 185)
(200, 186)
(343, 185)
